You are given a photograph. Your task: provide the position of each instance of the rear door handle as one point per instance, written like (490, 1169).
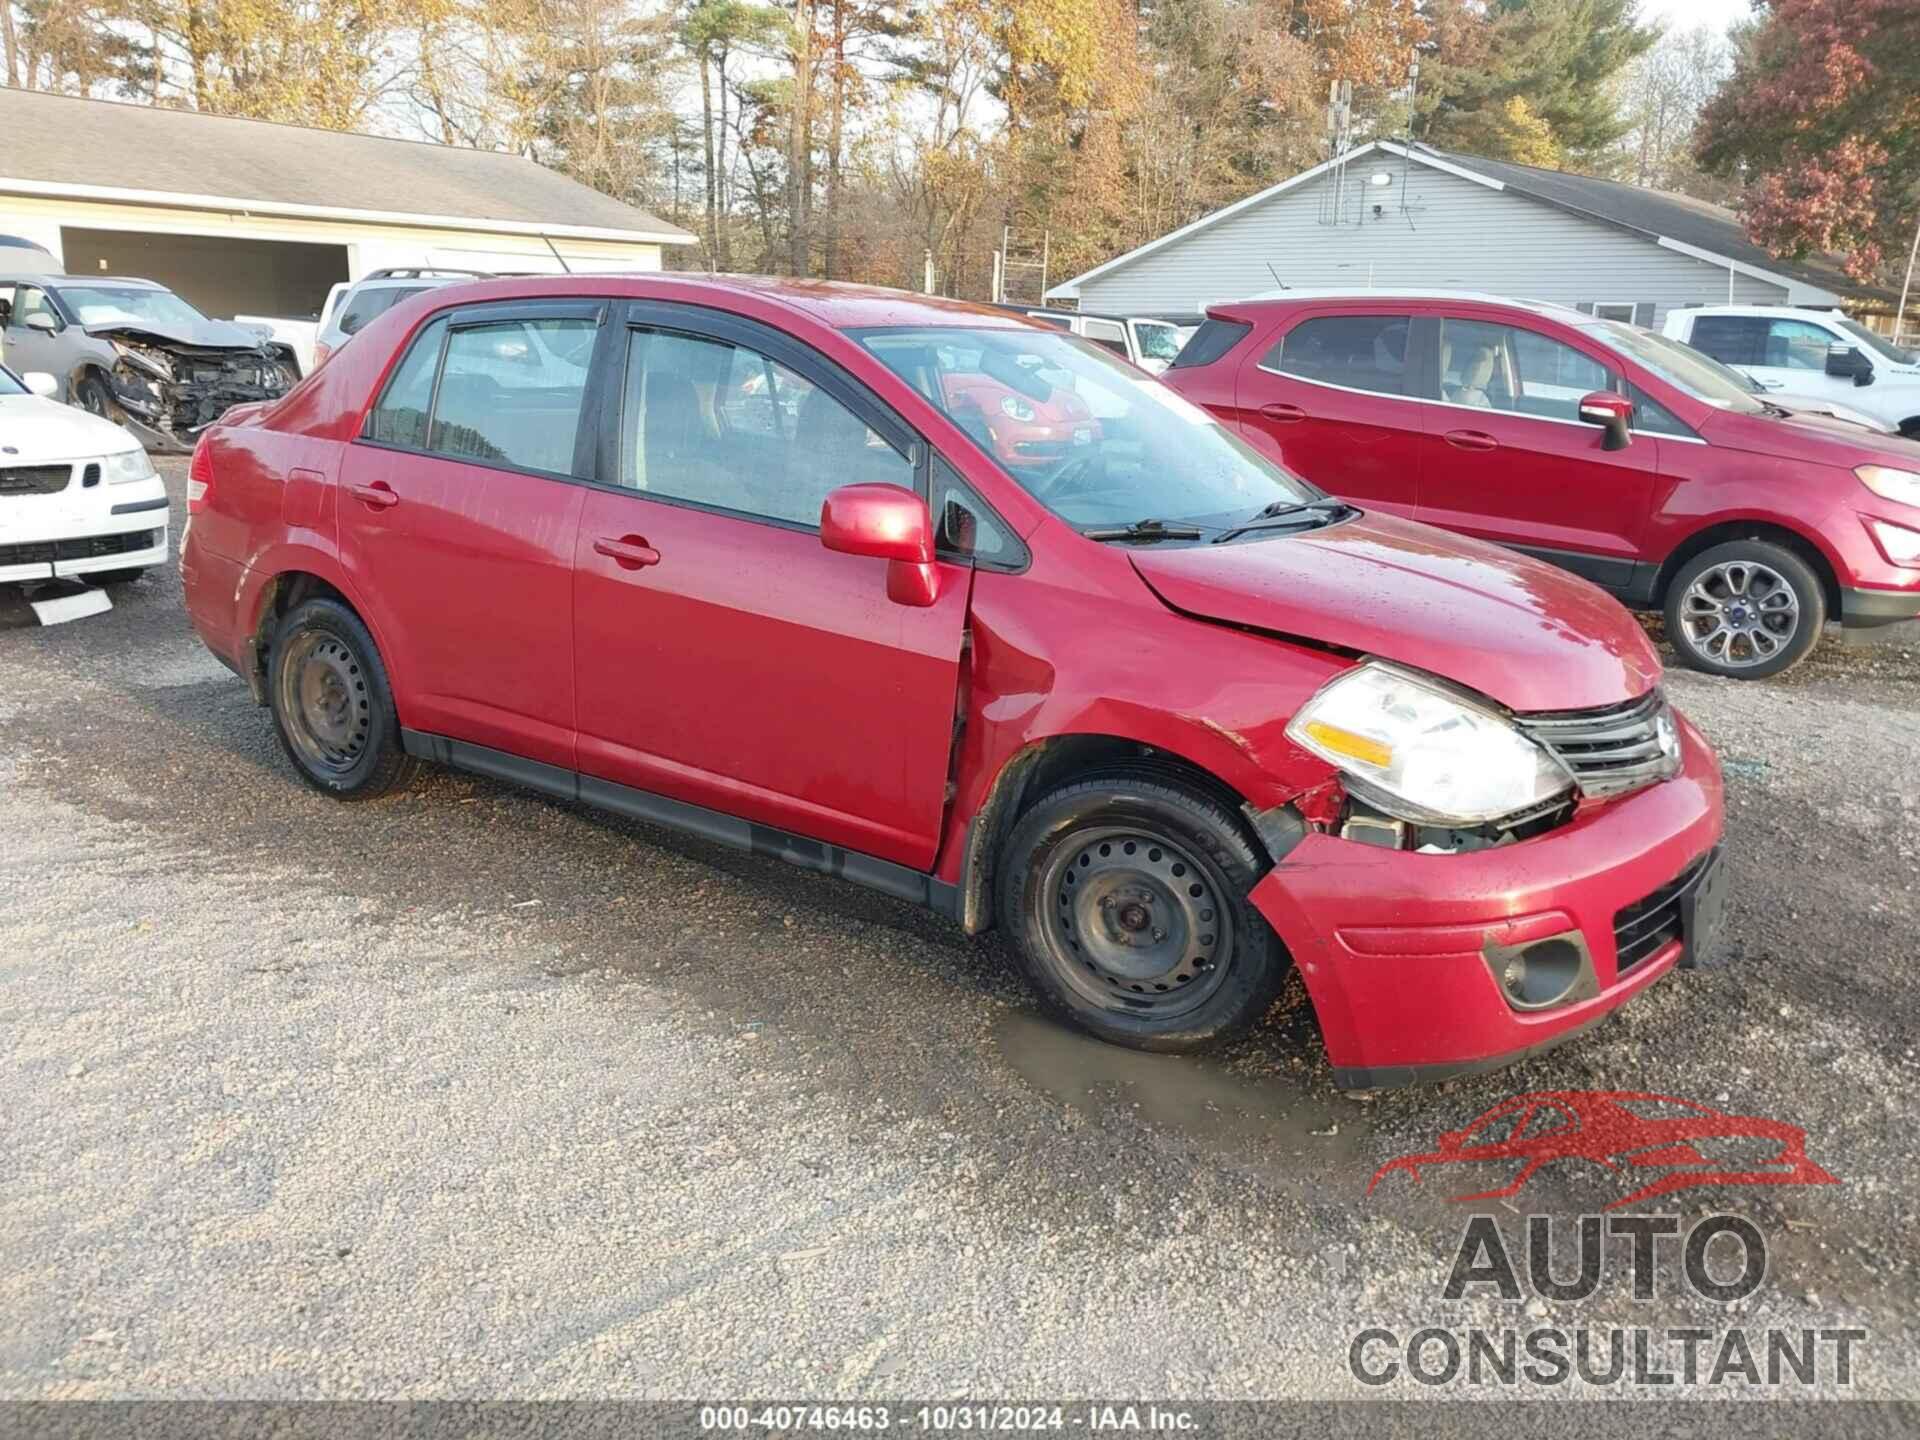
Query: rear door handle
(379, 495)
(629, 552)
(1471, 440)
(1282, 412)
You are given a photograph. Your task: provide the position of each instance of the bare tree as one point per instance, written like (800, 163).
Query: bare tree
(1663, 93)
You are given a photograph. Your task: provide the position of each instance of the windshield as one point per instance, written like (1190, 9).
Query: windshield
(1699, 375)
(1879, 344)
(128, 305)
(9, 385)
(1158, 342)
(1090, 437)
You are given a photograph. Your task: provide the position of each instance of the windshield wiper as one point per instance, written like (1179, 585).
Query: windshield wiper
(1280, 510)
(1145, 530)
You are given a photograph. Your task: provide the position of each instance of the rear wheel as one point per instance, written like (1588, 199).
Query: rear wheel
(1747, 609)
(332, 705)
(1126, 894)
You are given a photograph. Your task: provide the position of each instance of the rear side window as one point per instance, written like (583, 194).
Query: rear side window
(1731, 339)
(367, 304)
(1108, 335)
(1358, 352)
(510, 392)
(402, 414)
(1214, 339)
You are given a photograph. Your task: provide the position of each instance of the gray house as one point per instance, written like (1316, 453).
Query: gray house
(1390, 215)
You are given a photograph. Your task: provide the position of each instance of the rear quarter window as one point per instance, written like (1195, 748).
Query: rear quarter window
(1212, 341)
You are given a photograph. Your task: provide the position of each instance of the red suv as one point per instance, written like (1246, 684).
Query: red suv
(1631, 459)
(1172, 719)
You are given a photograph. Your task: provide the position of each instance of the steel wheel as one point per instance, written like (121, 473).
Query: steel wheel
(328, 709)
(1138, 921)
(1739, 614)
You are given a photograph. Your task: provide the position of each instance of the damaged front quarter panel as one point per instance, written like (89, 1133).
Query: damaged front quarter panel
(177, 389)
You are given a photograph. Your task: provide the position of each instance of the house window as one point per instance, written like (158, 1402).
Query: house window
(1621, 310)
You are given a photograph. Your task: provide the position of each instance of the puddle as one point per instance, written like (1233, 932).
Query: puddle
(1268, 1125)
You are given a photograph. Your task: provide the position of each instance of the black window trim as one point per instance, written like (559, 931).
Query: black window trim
(470, 317)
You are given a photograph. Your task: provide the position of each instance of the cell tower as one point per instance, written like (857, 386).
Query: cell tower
(1339, 140)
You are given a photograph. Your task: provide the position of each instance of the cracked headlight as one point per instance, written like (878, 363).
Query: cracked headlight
(1421, 751)
(154, 362)
(126, 467)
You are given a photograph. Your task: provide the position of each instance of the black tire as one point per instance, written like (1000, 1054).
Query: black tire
(1112, 939)
(1745, 629)
(90, 393)
(115, 577)
(332, 705)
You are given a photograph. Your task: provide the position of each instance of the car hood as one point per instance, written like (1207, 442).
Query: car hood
(34, 431)
(199, 335)
(1802, 435)
(1520, 631)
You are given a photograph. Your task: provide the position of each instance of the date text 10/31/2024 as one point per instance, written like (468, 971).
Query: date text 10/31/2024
(1097, 1418)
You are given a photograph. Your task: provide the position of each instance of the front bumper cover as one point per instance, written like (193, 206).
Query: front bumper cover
(1392, 944)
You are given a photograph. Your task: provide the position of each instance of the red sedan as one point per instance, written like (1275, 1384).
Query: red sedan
(728, 555)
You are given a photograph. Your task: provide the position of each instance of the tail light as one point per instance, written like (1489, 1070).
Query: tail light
(200, 475)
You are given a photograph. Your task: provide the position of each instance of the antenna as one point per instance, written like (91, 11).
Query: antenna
(1276, 275)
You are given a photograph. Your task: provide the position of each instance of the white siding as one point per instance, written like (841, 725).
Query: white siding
(1453, 233)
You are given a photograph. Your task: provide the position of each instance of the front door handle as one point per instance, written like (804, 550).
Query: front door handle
(629, 552)
(1284, 413)
(1471, 440)
(379, 495)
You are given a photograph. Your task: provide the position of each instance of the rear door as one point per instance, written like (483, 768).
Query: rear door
(1508, 459)
(1341, 400)
(726, 658)
(457, 515)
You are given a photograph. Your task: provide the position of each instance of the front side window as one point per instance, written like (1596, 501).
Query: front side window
(723, 425)
(1357, 352)
(1798, 345)
(1093, 439)
(510, 392)
(1877, 343)
(31, 300)
(1650, 416)
(1505, 367)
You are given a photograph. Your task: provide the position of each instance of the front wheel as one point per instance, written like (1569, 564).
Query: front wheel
(332, 705)
(1748, 609)
(91, 395)
(1126, 895)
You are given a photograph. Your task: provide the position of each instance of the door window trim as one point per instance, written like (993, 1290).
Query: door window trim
(469, 317)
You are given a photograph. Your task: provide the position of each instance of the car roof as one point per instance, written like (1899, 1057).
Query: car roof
(54, 280)
(1306, 295)
(1785, 310)
(833, 303)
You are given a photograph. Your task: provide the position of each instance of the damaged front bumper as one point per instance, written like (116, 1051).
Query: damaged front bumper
(176, 391)
(1409, 958)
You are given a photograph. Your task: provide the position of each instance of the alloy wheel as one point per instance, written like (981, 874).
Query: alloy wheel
(1739, 613)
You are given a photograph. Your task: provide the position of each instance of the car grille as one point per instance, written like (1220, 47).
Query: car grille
(92, 547)
(1612, 750)
(34, 479)
(1646, 926)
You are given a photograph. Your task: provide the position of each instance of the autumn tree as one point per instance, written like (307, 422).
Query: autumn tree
(1821, 116)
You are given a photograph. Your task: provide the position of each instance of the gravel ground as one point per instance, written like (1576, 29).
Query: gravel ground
(469, 1093)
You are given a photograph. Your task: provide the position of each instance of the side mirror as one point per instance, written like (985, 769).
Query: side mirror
(1845, 362)
(42, 321)
(1613, 414)
(41, 384)
(886, 522)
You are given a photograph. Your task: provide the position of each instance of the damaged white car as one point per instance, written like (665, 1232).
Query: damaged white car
(133, 351)
(78, 496)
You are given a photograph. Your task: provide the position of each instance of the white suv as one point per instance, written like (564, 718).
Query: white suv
(1819, 354)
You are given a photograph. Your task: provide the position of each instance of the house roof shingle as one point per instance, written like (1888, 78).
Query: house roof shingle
(1658, 213)
(58, 140)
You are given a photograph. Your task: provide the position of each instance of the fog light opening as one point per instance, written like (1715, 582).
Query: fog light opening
(1543, 973)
